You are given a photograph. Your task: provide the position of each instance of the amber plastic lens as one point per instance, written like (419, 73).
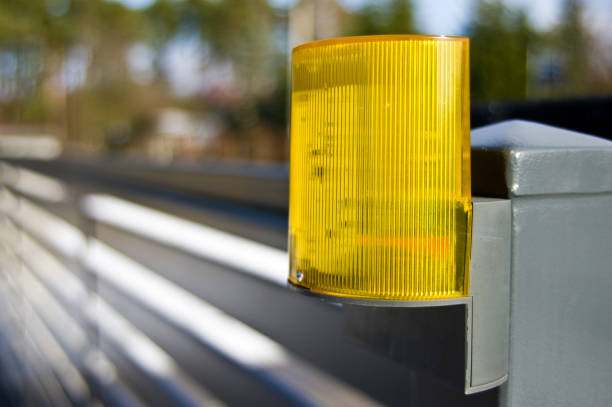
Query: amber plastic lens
(380, 201)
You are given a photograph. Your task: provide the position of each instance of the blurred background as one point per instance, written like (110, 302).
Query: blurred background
(144, 199)
(184, 80)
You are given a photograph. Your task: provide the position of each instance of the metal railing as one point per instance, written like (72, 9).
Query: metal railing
(57, 300)
(129, 304)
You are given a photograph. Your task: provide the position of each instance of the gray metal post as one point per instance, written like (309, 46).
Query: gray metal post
(560, 186)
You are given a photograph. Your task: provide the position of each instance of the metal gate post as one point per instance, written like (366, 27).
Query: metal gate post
(560, 186)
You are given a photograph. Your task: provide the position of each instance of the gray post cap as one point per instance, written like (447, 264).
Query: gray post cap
(521, 158)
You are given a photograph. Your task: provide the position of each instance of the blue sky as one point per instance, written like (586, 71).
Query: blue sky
(136, 3)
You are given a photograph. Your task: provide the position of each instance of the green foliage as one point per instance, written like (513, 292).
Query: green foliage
(29, 21)
(385, 17)
(36, 21)
(245, 35)
(163, 20)
(575, 45)
(499, 43)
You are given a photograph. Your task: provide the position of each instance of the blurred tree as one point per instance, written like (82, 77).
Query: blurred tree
(570, 60)
(63, 49)
(385, 17)
(587, 68)
(32, 34)
(163, 20)
(71, 62)
(574, 43)
(499, 42)
(35, 21)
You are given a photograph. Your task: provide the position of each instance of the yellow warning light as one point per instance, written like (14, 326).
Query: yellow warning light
(380, 203)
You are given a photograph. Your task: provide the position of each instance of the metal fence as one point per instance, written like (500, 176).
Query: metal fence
(109, 296)
(125, 283)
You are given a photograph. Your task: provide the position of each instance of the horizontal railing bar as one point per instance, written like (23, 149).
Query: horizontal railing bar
(69, 377)
(257, 259)
(232, 251)
(98, 370)
(254, 185)
(33, 183)
(71, 337)
(143, 353)
(235, 341)
(34, 390)
(93, 365)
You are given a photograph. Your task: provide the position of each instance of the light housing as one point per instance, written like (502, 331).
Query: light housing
(380, 203)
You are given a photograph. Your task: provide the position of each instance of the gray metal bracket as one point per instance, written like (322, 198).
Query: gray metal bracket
(487, 313)
(488, 310)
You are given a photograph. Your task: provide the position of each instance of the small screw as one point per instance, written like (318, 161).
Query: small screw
(300, 276)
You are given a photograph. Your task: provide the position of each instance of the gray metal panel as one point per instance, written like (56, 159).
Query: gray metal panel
(560, 183)
(519, 158)
(561, 327)
(489, 290)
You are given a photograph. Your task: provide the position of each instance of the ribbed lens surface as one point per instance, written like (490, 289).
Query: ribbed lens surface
(380, 201)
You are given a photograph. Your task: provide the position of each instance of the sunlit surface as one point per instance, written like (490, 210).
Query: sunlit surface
(32, 183)
(380, 200)
(230, 338)
(139, 349)
(263, 261)
(29, 146)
